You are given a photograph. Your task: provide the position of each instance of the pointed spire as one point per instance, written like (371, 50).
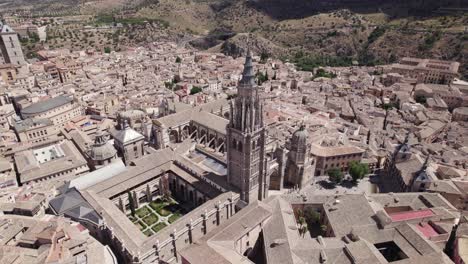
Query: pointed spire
(248, 76)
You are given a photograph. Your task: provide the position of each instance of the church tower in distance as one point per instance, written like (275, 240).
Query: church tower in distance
(246, 137)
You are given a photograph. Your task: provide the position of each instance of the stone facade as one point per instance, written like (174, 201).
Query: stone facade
(427, 71)
(35, 130)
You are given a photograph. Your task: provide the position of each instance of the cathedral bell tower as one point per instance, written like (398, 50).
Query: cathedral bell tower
(246, 138)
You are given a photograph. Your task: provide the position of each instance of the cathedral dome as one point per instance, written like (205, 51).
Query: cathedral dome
(132, 114)
(101, 150)
(300, 137)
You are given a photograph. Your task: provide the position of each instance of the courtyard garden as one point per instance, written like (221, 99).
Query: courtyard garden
(151, 217)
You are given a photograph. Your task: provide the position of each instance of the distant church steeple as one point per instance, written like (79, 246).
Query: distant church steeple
(246, 139)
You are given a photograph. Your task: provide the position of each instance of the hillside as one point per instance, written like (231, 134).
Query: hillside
(371, 32)
(331, 31)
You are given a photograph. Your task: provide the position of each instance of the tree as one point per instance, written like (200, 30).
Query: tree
(107, 50)
(169, 85)
(335, 175)
(178, 60)
(164, 188)
(311, 216)
(301, 220)
(387, 107)
(323, 228)
(264, 56)
(131, 203)
(323, 73)
(195, 90)
(358, 170)
(261, 78)
(420, 99)
(121, 206)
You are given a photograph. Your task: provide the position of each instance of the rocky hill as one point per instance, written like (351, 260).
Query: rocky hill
(329, 31)
(371, 32)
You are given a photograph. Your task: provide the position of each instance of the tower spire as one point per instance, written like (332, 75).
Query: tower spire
(248, 75)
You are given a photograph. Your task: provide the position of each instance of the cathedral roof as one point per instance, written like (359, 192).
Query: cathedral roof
(127, 135)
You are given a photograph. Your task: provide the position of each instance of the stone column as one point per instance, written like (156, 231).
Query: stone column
(174, 240)
(229, 209)
(218, 213)
(205, 222)
(190, 231)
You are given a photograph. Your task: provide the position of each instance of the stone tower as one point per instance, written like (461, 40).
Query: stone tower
(246, 138)
(10, 46)
(299, 166)
(129, 143)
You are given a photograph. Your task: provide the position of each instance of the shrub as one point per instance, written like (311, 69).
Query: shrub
(335, 175)
(142, 212)
(163, 212)
(195, 90)
(322, 73)
(151, 219)
(376, 33)
(430, 40)
(148, 233)
(156, 228)
(174, 217)
(358, 170)
(420, 99)
(158, 204)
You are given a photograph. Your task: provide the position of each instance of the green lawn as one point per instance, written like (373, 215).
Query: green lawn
(142, 212)
(163, 212)
(174, 217)
(157, 205)
(148, 232)
(150, 219)
(158, 227)
(140, 225)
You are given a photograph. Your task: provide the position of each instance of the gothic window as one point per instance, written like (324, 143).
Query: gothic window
(240, 146)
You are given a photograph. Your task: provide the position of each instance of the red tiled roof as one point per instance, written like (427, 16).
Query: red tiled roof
(403, 216)
(427, 230)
